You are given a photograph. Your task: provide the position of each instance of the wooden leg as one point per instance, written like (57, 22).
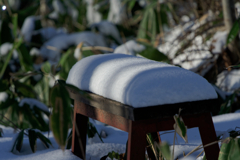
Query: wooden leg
(79, 133)
(156, 137)
(208, 135)
(136, 142)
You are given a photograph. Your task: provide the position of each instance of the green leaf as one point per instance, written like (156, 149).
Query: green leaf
(60, 119)
(235, 150)
(18, 142)
(42, 88)
(15, 24)
(225, 149)
(32, 136)
(153, 54)
(92, 131)
(113, 155)
(25, 89)
(66, 63)
(165, 150)
(69, 142)
(46, 68)
(4, 85)
(44, 139)
(25, 58)
(234, 31)
(131, 5)
(180, 127)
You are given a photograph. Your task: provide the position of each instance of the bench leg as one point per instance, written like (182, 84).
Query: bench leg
(208, 135)
(136, 142)
(79, 137)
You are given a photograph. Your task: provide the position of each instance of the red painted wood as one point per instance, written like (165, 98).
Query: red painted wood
(138, 129)
(208, 135)
(136, 141)
(102, 116)
(80, 136)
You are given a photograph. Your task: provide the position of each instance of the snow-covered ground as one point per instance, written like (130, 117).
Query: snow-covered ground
(115, 140)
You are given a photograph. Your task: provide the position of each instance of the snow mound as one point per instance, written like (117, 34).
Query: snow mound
(137, 81)
(52, 49)
(130, 47)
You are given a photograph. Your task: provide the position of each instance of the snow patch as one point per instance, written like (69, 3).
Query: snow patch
(130, 47)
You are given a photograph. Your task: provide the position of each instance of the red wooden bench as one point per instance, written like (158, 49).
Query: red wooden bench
(162, 89)
(140, 121)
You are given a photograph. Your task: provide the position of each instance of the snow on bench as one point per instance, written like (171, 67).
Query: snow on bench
(137, 81)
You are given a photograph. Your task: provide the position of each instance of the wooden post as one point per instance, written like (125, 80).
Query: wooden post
(208, 135)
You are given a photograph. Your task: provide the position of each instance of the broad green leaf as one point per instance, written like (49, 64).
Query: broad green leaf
(25, 89)
(180, 127)
(225, 149)
(66, 63)
(18, 142)
(15, 24)
(234, 31)
(60, 119)
(32, 136)
(44, 139)
(235, 149)
(46, 68)
(165, 150)
(153, 54)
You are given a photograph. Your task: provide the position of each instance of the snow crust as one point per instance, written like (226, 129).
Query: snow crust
(130, 47)
(33, 102)
(137, 81)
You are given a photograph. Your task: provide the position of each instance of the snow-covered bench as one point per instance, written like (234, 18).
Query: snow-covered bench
(140, 96)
